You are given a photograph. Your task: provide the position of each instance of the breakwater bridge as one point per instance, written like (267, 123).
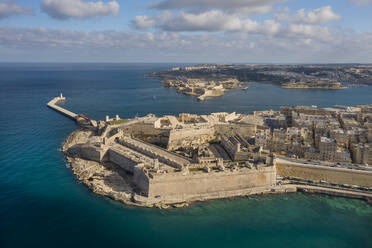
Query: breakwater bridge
(53, 105)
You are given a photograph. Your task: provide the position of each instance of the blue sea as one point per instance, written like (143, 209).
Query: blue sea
(43, 205)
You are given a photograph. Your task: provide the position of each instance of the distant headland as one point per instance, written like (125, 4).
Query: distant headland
(171, 161)
(212, 80)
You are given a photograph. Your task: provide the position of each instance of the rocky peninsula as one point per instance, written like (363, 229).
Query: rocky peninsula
(171, 161)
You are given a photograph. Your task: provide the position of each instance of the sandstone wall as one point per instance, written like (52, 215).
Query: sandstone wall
(148, 133)
(122, 161)
(141, 180)
(188, 137)
(176, 184)
(92, 152)
(329, 174)
(245, 130)
(155, 152)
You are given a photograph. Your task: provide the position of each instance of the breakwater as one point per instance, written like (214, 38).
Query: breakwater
(53, 105)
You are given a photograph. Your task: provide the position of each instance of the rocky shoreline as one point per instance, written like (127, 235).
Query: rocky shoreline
(105, 179)
(102, 180)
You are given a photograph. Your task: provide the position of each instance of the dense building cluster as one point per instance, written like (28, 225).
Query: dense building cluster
(337, 134)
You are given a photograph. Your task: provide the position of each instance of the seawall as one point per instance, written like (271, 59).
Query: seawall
(193, 184)
(334, 175)
(52, 104)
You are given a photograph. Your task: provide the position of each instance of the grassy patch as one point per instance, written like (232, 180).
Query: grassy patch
(118, 122)
(195, 169)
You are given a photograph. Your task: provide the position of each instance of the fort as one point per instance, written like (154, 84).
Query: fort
(174, 160)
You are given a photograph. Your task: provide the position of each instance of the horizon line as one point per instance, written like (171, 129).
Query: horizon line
(214, 63)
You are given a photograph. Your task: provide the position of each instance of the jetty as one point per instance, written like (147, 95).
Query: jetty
(53, 105)
(81, 119)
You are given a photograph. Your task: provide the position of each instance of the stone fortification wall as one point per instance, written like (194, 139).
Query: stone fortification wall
(119, 159)
(236, 128)
(155, 152)
(141, 180)
(147, 132)
(190, 136)
(192, 185)
(328, 174)
(92, 152)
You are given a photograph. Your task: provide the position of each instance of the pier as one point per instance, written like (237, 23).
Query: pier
(53, 105)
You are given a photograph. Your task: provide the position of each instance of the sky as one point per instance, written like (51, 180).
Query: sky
(190, 31)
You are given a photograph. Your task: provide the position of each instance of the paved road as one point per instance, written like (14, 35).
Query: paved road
(328, 164)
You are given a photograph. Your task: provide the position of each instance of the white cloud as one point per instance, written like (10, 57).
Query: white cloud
(79, 9)
(216, 29)
(43, 38)
(317, 16)
(313, 31)
(296, 43)
(271, 27)
(236, 6)
(143, 22)
(10, 9)
(210, 21)
(216, 20)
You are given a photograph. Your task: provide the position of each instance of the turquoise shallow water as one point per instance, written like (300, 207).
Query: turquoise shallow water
(43, 205)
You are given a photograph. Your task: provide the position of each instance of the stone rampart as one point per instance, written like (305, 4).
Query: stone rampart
(329, 174)
(92, 152)
(178, 184)
(235, 128)
(147, 132)
(190, 136)
(141, 180)
(155, 152)
(118, 158)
